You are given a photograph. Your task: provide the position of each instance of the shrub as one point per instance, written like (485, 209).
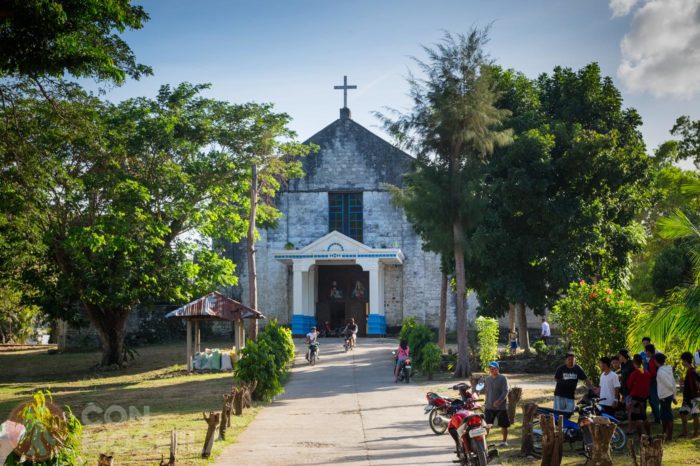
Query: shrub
(41, 422)
(258, 363)
(408, 325)
(540, 347)
(417, 339)
(487, 336)
(280, 341)
(594, 318)
(432, 357)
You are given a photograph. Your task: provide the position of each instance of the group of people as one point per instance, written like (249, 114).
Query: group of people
(628, 383)
(350, 331)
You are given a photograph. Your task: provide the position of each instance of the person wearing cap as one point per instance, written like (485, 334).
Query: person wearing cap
(567, 377)
(496, 406)
(311, 338)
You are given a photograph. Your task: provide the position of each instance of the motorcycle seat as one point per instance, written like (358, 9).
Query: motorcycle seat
(543, 410)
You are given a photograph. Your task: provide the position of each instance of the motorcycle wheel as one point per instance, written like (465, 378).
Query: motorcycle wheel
(619, 439)
(481, 458)
(537, 443)
(437, 428)
(312, 358)
(407, 374)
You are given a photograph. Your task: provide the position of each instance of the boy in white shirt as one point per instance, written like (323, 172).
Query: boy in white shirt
(666, 389)
(609, 391)
(311, 338)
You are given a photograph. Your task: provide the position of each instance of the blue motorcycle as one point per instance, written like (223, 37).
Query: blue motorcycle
(575, 432)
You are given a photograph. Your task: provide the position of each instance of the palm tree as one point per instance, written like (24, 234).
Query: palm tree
(676, 320)
(453, 127)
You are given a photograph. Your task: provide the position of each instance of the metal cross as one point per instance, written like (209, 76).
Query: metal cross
(345, 88)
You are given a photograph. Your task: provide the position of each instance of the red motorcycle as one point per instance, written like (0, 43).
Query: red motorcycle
(468, 429)
(441, 409)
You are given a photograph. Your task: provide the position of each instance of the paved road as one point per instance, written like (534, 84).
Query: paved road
(344, 410)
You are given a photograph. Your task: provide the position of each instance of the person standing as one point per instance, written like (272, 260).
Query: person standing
(513, 339)
(638, 384)
(567, 377)
(645, 341)
(691, 395)
(546, 331)
(666, 389)
(626, 368)
(496, 406)
(609, 386)
(652, 366)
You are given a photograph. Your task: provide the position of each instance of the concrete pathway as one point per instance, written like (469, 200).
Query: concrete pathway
(344, 410)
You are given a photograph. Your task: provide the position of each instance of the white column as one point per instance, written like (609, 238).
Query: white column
(309, 295)
(374, 290)
(380, 310)
(297, 291)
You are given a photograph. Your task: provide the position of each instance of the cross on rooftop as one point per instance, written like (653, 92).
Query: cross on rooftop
(345, 88)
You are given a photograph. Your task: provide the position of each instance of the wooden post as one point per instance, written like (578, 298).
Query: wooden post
(526, 447)
(189, 345)
(602, 431)
(105, 460)
(514, 396)
(197, 337)
(552, 440)
(173, 450)
(651, 450)
(225, 416)
(212, 420)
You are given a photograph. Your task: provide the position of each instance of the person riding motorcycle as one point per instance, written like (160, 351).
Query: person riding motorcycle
(402, 354)
(351, 331)
(311, 338)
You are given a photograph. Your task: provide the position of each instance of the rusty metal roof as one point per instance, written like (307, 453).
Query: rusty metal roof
(215, 306)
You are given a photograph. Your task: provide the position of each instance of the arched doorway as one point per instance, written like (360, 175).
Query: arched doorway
(343, 292)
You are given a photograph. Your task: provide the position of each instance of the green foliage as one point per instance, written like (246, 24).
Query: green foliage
(689, 145)
(407, 327)
(594, 318)
(431, 359)
(675, 321)
(540, 347)
(259, 363)
(59, 435)
(77, 37)
(487, 336)
(671, 269)
(280, 341)
(17, 320)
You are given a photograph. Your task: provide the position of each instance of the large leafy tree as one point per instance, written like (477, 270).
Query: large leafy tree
(76, 37)
(454, 127)
(564, 198)
(133, 194)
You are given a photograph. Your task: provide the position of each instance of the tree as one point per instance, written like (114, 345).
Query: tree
(132, 194)
(453, 129)
(270, 153)
(676, 320)
(77, 37)
(689, 145)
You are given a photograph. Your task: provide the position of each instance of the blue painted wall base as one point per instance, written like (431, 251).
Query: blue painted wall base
(376, 325)
(301, 324)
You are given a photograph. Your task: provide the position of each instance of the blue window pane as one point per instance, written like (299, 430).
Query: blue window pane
(345, 214)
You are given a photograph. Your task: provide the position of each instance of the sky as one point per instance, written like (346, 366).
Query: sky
(292, 52)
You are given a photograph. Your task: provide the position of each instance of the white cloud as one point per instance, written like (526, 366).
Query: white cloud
(661, 52)
(621, 7)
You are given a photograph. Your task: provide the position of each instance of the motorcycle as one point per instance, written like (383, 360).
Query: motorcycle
(348, 342)
(575, 432)
(441, 409)
(313, 353)
(405, 370)
(469, 430)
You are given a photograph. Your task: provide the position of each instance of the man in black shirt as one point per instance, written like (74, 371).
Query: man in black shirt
(567, 377)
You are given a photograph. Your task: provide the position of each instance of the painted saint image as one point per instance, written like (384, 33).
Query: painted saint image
(359, 291)
(335, 293)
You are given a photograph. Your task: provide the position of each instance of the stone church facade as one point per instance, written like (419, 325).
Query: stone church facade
(341, 248)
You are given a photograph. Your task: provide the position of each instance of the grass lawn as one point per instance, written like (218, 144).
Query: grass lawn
(131, 412)
(538, 389)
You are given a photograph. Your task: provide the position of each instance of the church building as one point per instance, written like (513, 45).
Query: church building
(341, 248)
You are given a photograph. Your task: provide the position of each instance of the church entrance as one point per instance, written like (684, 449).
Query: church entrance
(343, 292)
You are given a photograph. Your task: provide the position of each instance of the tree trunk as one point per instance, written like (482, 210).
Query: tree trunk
(111, 329)
(602, 431)
(651, 450)
(511, 318)
(212, 420)
(523, 334)
(552, 440)
(252, 271)
(462, 368)
(514, 396)
(442, 329)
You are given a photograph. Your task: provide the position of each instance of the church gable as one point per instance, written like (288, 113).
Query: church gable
(351, 158)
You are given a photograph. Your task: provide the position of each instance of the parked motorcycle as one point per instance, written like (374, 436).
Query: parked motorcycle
(468, 429)
(313, 353)
(579, 431)
(441, 409)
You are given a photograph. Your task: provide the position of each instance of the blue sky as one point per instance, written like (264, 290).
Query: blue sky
(292, 52)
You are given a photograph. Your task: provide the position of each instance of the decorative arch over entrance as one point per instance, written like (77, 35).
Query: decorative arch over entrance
(336, 249)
